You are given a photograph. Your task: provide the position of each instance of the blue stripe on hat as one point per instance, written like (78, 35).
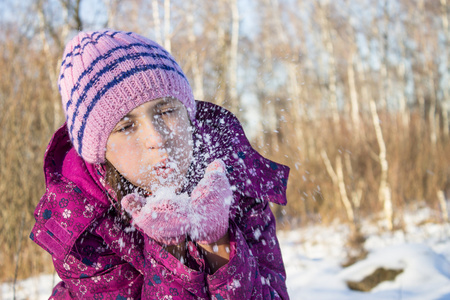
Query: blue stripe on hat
(92, 38)
(93, 41)
(104, 70)
(111, 84)
(106, 56)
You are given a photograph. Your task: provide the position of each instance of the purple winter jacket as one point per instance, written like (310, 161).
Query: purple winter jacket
(98, 256)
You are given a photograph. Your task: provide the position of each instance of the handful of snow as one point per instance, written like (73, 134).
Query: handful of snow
(168, 217)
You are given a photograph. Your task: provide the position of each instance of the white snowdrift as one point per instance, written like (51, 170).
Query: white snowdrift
(313, 258)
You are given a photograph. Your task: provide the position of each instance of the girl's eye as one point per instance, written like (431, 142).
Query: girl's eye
(168, 111)
(125, 127)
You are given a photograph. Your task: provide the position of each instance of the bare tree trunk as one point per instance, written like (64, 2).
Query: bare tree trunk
(446, 85)
(353, 94)
(420, 96)
(418, 80)
(232, 84)
(167, 34)
(365, 95)
(443, 204)
(298, 111)
(157, 24)
(112, 7)
(52, 67)
(197, 72)
(221, 46)
(327, 40)
(338, 180)
(77, 17)
(265, 67)
(221, 56)
(384, 41)
(64, 30)
(281, 34)
(356, 193)
(292, 65)
(402, 100)
(401, 71)
(384, 193)
(432, 109)
(17, 258)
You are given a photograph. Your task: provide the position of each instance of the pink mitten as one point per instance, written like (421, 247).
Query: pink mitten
(163, 216)
(210, 205)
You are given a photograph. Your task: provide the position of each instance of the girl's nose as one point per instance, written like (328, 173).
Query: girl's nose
(154, 135)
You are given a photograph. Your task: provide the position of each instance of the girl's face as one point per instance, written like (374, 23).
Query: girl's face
(152, 145)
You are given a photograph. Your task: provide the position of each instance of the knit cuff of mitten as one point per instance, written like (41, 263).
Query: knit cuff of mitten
(215, 234)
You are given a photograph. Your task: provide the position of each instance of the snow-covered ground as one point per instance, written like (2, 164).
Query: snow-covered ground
(313, 256)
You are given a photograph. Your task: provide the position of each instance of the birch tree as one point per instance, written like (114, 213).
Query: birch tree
(197, 70)
(112, 9)
(55, 37)
(327, 37)
(337, 177)
(167, 33)
(444, 13)
(156, 21)
(233, 65)
(384, 191)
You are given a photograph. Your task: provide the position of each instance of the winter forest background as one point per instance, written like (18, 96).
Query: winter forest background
(352, 95)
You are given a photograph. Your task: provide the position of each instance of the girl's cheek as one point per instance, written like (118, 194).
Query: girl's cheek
(127, 153)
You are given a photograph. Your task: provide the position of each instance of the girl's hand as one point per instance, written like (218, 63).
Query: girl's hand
(164, 218)
(210, 205)
(216, 254)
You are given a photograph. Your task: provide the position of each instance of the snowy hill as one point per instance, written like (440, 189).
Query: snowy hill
(313, 258)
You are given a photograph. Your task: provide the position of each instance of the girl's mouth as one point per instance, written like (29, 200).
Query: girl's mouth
(164, 168)
(163, 171)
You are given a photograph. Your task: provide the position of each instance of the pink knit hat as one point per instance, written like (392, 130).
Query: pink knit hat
(106, 74)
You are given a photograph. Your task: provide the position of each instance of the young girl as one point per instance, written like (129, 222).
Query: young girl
(151, 194)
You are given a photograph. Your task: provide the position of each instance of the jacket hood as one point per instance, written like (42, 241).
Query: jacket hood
(222, 137)
(74, 197)
(62, 163)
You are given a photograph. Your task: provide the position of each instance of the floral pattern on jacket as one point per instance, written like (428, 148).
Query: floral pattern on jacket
(97, 256)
